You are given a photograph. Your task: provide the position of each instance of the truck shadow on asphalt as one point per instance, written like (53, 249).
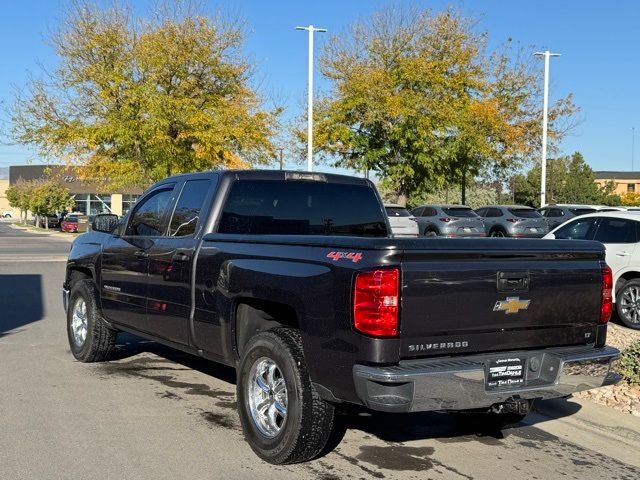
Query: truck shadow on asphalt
(21, 300)
(132, 359)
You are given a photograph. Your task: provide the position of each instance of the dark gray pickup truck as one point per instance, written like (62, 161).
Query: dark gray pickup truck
(294, 279)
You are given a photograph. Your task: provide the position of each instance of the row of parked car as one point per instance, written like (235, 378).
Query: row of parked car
(515, 221)
(74, 222)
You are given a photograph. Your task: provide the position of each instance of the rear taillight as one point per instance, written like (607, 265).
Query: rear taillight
(607, 298)
(445, 219)
(376, 298)
(512, 220)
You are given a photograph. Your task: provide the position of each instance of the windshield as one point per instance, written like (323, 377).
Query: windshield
(397, 212)
(525, 213)
(459, 212)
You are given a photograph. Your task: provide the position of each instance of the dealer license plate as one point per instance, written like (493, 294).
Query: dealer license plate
(505, 373)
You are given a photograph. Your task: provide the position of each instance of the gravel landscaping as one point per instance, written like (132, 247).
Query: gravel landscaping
(624, 396)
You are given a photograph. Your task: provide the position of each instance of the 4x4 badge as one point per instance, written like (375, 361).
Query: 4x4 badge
(511, 305)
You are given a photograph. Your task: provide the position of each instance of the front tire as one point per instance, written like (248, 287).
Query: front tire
(91, 339)
(628, 304)
(283, 418)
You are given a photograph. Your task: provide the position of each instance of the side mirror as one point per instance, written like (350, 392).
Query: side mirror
(104, 222)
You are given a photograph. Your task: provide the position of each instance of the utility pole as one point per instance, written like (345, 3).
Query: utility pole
(633, 146)
(311, 29)
(545, 112)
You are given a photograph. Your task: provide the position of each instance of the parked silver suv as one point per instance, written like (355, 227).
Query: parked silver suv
(556, 215)
(513, 221)
(448, 221)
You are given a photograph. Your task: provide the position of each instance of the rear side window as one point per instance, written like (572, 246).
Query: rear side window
(493, 212)
(581, 211)
(187, 211)
(397, 212)
(429, 212)
(578, 230)
(616, 230)
(267, 207)
(554, 212)
(459, 212)
(526, 213)
(149, 217)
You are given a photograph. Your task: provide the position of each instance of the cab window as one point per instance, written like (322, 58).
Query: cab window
(187, 212)
(149, 219)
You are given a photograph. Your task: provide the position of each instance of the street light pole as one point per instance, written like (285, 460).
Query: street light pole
(545, 112)
(311, 29)
(633, 146)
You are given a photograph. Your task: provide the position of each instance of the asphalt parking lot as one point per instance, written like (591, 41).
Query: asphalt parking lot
(157, 413)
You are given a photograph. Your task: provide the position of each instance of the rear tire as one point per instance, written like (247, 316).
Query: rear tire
(430, 233)
(275, 359)
(628, 304)
(91, 339)
(497, 233)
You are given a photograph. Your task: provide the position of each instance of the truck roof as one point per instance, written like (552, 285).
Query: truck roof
(270, 175)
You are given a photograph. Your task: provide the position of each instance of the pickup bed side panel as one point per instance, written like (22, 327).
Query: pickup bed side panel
(316, 288)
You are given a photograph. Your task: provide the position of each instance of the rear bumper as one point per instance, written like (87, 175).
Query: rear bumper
(459, 383)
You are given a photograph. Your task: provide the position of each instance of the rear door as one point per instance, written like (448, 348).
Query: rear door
(619, 236)
(125, 259)
(171, 264)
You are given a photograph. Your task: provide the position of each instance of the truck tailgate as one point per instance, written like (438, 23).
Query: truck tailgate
(540, 293)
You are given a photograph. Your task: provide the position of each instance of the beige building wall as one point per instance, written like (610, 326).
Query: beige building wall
(622, 186)
(4, 203)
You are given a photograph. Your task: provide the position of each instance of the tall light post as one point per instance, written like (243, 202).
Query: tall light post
(545, 112)
(633, 146)
(311, 29)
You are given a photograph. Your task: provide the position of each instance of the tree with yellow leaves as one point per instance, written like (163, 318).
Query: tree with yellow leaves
(137, 100)
(419, 100)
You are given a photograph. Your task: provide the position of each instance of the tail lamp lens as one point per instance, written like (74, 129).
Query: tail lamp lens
(607, 297)
(376, 299)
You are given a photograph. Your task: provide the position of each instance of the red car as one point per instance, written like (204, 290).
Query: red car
(69, 224)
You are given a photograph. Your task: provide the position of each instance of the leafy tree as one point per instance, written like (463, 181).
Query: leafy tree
(569, 180)
(19, 195)
(630, 199)
(49, 197)
(419, 100)
(135, 101)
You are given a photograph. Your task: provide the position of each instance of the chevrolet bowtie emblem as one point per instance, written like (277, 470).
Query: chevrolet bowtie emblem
(511, 305)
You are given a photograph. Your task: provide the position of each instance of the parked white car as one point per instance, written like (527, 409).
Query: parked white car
(620, 233)
(7, 214)
(402, 222)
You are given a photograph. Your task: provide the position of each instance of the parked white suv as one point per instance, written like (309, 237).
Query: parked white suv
(620, 234)
(7, 214)
(403, 224)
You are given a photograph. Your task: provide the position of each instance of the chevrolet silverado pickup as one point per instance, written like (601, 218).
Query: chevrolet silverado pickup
(295, 280)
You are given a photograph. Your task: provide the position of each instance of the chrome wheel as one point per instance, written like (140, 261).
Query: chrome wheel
(267, 397)
(79, 323)
(630, 304)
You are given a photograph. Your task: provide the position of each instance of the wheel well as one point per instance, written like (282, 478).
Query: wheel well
(625, 277)
(79, 273)
(253, 316)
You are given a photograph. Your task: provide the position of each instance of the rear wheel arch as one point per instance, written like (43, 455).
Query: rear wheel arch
(253, 316)
(624, 278)
(431, 229)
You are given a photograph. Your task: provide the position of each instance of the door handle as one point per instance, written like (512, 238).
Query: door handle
(180, 257)
(141, 254)
(622, 254)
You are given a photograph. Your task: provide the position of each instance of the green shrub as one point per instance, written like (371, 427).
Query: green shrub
(629, 364)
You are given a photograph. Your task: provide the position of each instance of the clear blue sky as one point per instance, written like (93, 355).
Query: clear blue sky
(598, 41)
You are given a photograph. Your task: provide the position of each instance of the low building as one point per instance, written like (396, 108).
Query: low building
(4, 203)
(90, 198)
(625, 182)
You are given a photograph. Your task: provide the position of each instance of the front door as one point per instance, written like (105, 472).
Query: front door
(171, 265)
(125, 260)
